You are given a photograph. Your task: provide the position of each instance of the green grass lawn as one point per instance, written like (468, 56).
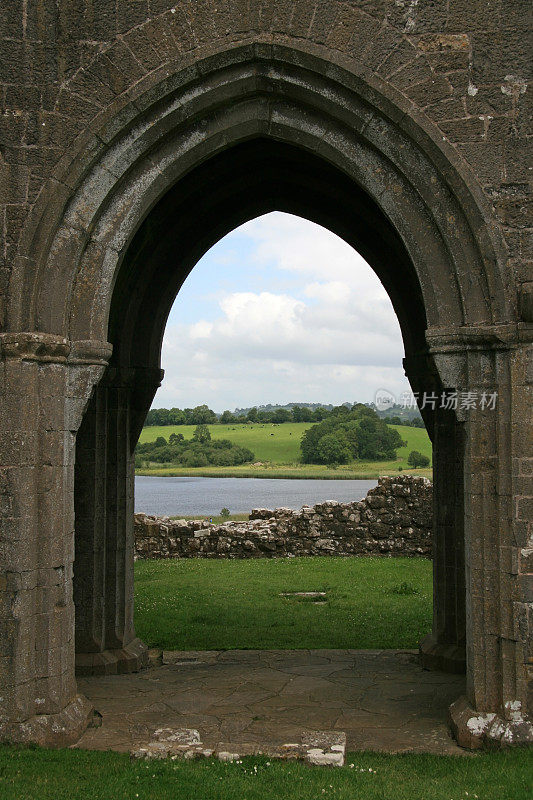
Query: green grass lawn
(278, 447)
(36, 774)
(203, 604)
(177, 602)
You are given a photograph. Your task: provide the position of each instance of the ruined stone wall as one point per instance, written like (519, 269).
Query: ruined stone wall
(394, 519)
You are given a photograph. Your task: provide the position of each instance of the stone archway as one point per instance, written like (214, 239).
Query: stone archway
(198, 151)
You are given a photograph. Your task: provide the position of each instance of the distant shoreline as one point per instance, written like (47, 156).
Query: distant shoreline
(278, 474)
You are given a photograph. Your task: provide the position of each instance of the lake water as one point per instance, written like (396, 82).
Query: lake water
(206, 496)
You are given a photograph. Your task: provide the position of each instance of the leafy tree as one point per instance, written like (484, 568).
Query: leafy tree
(417, 459)
(202, 415)
(340, 411)
(281, 415)
(369, 439)
(175, 438)
(333, 448)
(201, 434)
(193, 458)
(151, 417)
(351, 433)
(164, 416)
(302, 414)
(252, 415)
(177, 417)
(224, 512)
(158, 416)
(226, 418)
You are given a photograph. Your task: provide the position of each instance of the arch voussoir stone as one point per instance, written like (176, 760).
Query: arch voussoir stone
(257, 83)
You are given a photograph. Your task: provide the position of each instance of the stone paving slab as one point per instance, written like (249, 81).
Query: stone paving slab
(249, 700)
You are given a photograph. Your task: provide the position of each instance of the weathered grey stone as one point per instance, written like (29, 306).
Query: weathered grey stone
(320, 748)
(404, 128)
(324, 748)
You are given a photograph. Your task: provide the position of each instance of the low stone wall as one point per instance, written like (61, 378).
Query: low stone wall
(394, 519)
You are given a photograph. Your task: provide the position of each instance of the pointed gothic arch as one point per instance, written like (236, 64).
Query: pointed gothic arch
(131, 208)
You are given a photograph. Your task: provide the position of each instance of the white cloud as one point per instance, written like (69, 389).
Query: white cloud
(303, 247)
(333, 291)
(248, 314)
(201, 330)
(333, 337)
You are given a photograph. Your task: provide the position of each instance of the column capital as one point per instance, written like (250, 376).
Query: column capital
(463, 338)
(90, 351)
(50, 348)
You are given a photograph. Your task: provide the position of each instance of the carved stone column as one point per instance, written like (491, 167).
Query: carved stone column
(104, 503)
(444, 647)
(45, 384)
(497, 500)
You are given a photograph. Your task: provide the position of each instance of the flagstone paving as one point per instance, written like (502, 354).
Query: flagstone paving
(382, 700)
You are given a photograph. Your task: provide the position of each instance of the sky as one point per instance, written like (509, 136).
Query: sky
(280, 310)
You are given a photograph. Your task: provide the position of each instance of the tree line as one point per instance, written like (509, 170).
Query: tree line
(415, 422)
(203, 415)
(200, 415)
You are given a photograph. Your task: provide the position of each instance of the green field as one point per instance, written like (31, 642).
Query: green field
(277, 443)
(203, 604)
(278, 448)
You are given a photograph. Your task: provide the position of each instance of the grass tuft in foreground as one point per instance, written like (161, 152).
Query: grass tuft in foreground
(35, 774)
(203, 604)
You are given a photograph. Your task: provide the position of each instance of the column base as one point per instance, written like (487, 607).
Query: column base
(131, 658)
(475, 729)
(53, 730)
(444, 657)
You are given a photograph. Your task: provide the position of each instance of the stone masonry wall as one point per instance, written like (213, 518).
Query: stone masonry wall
(464, 63)
(394, 519)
